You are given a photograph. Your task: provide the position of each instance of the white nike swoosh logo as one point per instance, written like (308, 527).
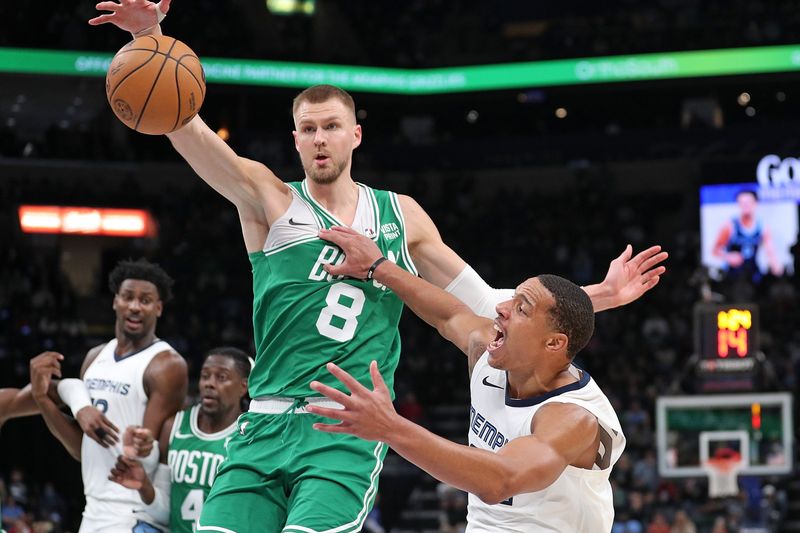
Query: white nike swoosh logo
(179, 435)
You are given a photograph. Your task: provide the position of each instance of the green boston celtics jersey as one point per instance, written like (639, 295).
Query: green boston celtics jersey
(303, 317)
(193, 459)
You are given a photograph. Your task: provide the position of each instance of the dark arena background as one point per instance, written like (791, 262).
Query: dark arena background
(600, 124)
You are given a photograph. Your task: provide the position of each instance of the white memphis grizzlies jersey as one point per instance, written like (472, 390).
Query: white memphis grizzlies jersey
(579, 501)
(116, 387)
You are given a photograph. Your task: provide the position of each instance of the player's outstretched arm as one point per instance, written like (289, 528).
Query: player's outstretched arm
(564, 434)
(43, 368)
(17, 402)
(454, 320)
(628, 278)
(257, 193)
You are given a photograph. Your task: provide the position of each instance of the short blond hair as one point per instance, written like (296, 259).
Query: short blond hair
(316, 94)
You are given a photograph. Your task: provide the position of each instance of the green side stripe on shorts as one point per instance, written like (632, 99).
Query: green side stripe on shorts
(369, 498)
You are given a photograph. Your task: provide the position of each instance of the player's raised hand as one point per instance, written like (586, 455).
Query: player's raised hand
(367, 414)
(628, 278)
(137, 441)
(44, 367)
(133, 16)
(97, 427)
(128, 472)
(360, 251)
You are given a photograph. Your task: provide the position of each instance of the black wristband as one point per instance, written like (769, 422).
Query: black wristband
(371, 270)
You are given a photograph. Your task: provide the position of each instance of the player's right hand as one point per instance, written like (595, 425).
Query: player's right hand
(43, 368)
(97, 427)
(137, 441)
(360, 251)
(130, 15)
(128, 472)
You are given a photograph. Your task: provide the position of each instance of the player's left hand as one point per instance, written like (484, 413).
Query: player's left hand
(130, 15)
(367, 414)
(137, 442)
(44, 367)
(628, 278)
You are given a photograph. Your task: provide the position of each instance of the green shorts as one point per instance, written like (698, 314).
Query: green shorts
(281, 475)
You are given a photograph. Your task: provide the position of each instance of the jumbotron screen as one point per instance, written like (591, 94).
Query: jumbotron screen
(750, 230)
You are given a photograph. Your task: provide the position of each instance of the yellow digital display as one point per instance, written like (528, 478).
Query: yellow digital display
(733, 327)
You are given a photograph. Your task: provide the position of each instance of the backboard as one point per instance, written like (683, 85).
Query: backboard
(691, 429)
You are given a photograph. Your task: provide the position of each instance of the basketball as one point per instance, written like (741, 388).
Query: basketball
(155, 84)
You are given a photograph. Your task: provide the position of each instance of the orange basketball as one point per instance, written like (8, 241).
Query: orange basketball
(155, 84)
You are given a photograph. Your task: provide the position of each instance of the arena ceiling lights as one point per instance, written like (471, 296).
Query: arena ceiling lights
(609, 69)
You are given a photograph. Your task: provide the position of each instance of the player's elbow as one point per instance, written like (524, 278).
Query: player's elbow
(503, 485)
(495, 492)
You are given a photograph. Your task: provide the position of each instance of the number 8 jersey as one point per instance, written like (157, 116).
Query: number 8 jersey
(303, 317)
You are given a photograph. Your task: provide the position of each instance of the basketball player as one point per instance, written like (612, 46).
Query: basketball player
(542, 436)
(740, 237)
(194, 441)
(133, 380)
(279, 471)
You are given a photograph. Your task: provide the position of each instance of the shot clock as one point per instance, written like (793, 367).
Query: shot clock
(726, 342)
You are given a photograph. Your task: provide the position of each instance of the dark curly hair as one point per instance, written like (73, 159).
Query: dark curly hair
(144, 270)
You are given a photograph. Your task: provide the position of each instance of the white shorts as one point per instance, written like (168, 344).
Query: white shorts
(115, 517)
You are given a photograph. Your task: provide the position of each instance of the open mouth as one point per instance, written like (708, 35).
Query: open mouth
(499, 338)
(133, 323)
(321, 159)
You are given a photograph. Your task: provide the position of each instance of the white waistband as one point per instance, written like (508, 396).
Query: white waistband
(274, 405)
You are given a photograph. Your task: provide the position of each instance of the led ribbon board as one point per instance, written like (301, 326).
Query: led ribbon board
(609, 69)
(86, 221)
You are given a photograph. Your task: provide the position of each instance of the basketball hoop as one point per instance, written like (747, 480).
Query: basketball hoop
(723, 470)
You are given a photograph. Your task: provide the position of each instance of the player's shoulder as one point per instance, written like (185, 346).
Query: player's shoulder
(91, 356)
(168, 363)
(413, 212)
(565, 415)
(94, 351)
(169, 357)
(262, 175)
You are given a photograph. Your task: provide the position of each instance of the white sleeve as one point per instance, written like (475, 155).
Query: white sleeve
(150, 463)
(158, 509)
(470, 288)
(73, 393)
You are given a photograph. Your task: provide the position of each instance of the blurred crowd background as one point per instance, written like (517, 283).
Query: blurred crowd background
(513, 189)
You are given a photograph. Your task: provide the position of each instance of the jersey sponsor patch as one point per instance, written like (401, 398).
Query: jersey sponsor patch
(390, 231)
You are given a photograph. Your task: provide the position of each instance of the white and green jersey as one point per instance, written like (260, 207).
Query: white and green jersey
(193, 459)
(303, 317)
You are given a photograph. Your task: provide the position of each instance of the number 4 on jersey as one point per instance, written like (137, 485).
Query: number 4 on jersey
(192, 506)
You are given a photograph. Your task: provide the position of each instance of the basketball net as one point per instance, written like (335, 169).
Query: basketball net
(723, 471)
